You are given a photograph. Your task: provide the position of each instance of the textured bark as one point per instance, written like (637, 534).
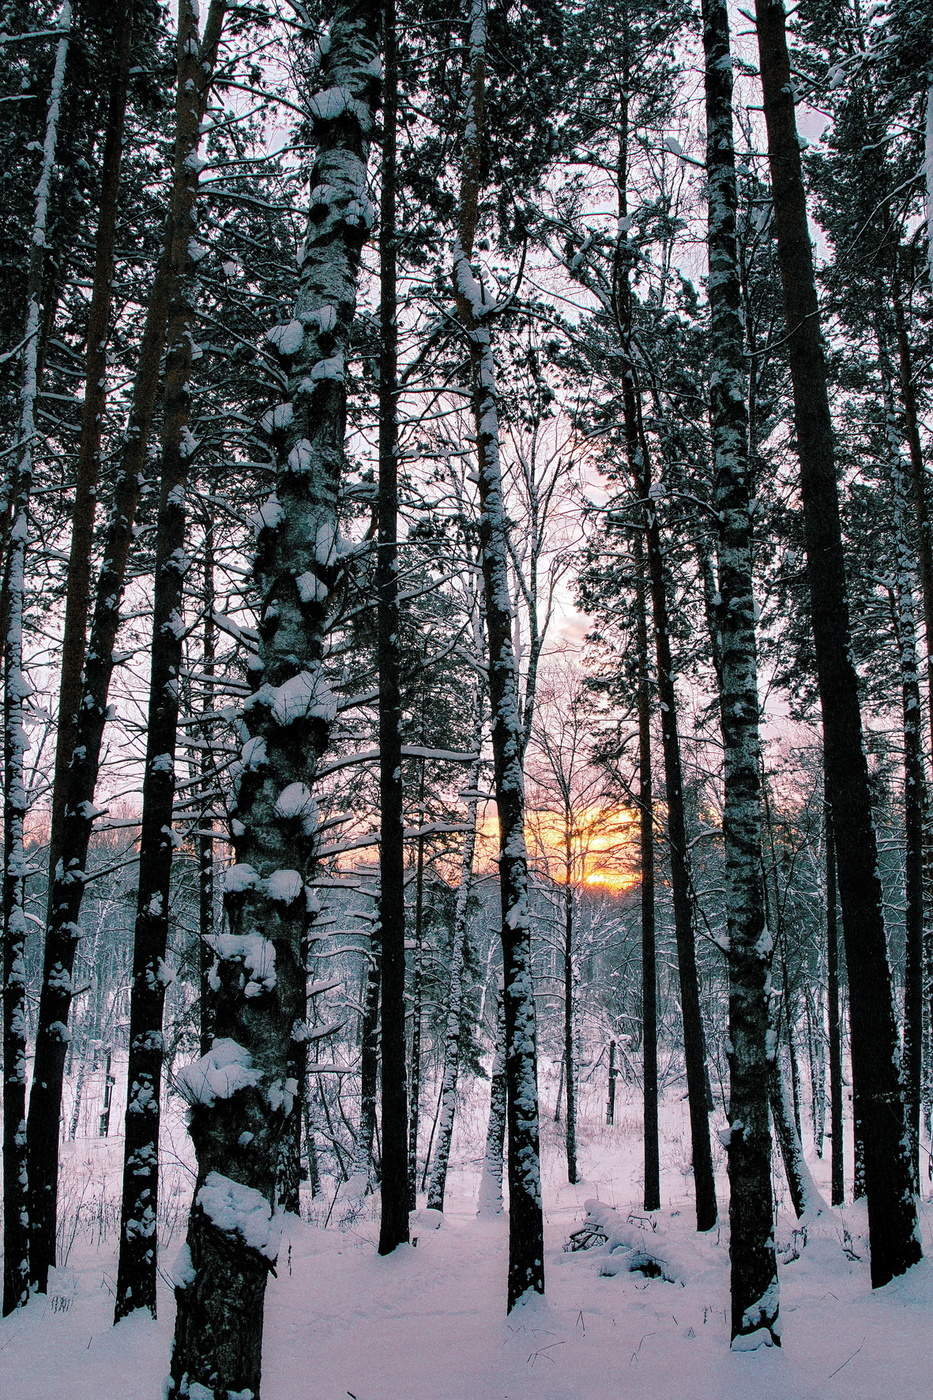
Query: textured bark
(834, 1028)
(639, 466)
(453, 1030)
(570, 1122)
(754, 1283)
(649, 955)
(205, 816)
(878, 1092)
(611, 1092)
(80, 780)
(137, 1262)
(260, 977)
(490, 1185)
(914, 786)
(417, 1015)
(87, 470)
(369, 1072)
(16, 1203)
(396, 1183)
(526, 1226)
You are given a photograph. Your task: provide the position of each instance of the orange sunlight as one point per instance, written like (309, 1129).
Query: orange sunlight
(603, 846)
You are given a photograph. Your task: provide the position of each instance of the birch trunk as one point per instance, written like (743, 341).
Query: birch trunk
(526, 1227)
(453, 1030)
(878, 1092)
(15, 690)
(259, 978)
(490, 1185)
(754, 1283)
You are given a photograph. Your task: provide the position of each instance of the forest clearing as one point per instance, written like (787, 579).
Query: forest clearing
(466, 611)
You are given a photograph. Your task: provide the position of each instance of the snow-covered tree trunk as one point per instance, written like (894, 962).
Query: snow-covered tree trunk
(453, 1030)
(80, 779)
(649, 959)
(526, 1228)
(878, 1091)
(15, 691)
(490, 1185)
(361, 1170)
(639, 464)
(87, 470)
(241, 1092)
(570, 1059)
(136, 1268)
(915, 797)
(754, 1283)
(833, 1019)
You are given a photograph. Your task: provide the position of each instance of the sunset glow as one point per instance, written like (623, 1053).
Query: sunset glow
(603, 846)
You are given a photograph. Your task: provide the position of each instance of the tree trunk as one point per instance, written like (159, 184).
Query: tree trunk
(396, 1185)
(260, 977)
(611, 1092)
(454, 1025)
(16, 1198)
(834, 1029)
(205, 814)
(914, 792)
(570, 1122)
(80, 780)
(490, 1186)
(878, 1092)
(526, 1226)
(649, 956)
(417, 1018)
(369, 1071)
(137, 1263)
(78, 594)
(754, 1283)
(638, 461)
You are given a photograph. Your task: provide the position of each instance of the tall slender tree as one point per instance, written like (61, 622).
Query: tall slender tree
(526, 1226)
(751, 1208)
(259, 978)
(15, 690)
(878, 1091)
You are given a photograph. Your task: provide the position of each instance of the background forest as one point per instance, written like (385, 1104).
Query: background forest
(467, 617)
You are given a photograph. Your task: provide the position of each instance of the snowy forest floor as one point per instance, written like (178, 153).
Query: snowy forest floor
(428, 1322)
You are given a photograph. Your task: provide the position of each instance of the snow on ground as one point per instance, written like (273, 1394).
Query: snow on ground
(428, 1323)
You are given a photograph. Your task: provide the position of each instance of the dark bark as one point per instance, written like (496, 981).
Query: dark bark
(639, 466)
(80, 780)
(754, 1284)
(834, 1027)
(417, 1016)
(878, 1091)
(369, 1069)
(649, 955)
(526, 1226)
(87, 470)
(16, 494)
(137, 1262)
(260, 975)
(396, 1187)
(570, 1123)
(205, 818)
